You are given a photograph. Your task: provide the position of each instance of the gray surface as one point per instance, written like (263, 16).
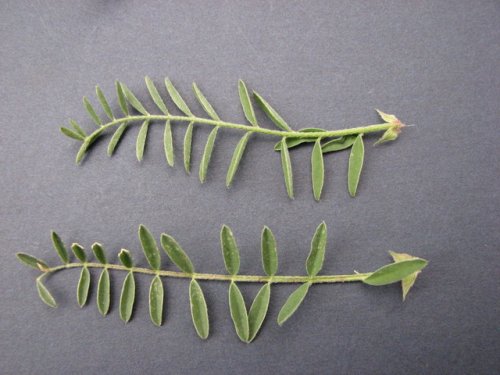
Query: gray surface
(433, 193)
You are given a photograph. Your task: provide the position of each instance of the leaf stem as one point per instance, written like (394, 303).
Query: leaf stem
(218, 277)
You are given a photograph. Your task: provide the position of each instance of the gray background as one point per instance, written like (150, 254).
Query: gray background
(433, 192)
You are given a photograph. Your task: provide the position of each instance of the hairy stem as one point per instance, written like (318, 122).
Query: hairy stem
(217, 277)
(247, 128)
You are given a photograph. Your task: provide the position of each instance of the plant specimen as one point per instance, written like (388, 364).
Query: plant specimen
(247, 323)
(325, 141)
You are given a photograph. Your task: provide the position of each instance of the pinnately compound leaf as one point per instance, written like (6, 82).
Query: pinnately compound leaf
(286, 165)
(44, 294)
(355, 164)
(104, 103)
(79, 252)
(246, 103)
(199, 311)
(121, 98)
(141, 140)
(155, 95)
(168, 143)
(134, 102)
(103, 292)
(177, 99)
(83, 287)
(271, 113)
(316, 256)
(127, 297)
(126, 258)
(258, 311)
(338, 144)
(115, 139)
(188, 140)
(207, 154)
(70, 133)
(238, 312)
(31, 261)
(292, 303)
(407, 282)
(235, 161)
(176, 254)
(395, 272)
(150, 248)
(269, 253)
(91, 111)
(60, 248)
(230, 250)
(156, 296)
(99, 253)
(317, 170)
(205, 103)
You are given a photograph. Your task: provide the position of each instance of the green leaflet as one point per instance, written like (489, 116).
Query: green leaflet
(141, 140)
(59, 247)
(188, 140)
(134, 102)
(258, 311)
(199, 311)
(246, 103)
(31, 261)
(115, 139)
(238, 312)
(286, 165)
(82, 290)
(317, 169)
(79, 252)
(230, 250)
(292, 303)
(70, 133)
(44, 294)
(104, 103)
(271, 113)
(395, 272)
(293, 142)
(77, 128)
(269, 253)
(156, 296)
(126, 258)
(121, 98)
(103, 292)
(314, 261)
(407, 282)
(91, 111)
(235, 161)
(150, 248)
(127, 297)
(204, 103)
(177, 99)
(338, 144)
(155, 95)
(355, 164)
(168, 143)
(207, 154)
(82, 150)
(99, 253)
(176, 254)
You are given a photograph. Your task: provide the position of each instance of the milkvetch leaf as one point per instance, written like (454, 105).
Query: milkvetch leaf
(176, 254)
(156, 296)
(286, 165)
(292, 303)
(168, 143)
(103, 292)
(134, 102)
(395, 272)
(44, 294)
(83, 287)
(238, 312)
(127, 297)
(150, 248)
(271, 113)
(177, 99)
(258, 311)
(230, 250)
(317, 170)
(207, 154)
(141, 140)
(31, 261)
(199, 312)
(155, 95)
(59, 247)
(269, 253)
(316, 256)
(204, 103)
(235, 161)
(188, 140)
(104, 103)
(355, 164)
(246, 104)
